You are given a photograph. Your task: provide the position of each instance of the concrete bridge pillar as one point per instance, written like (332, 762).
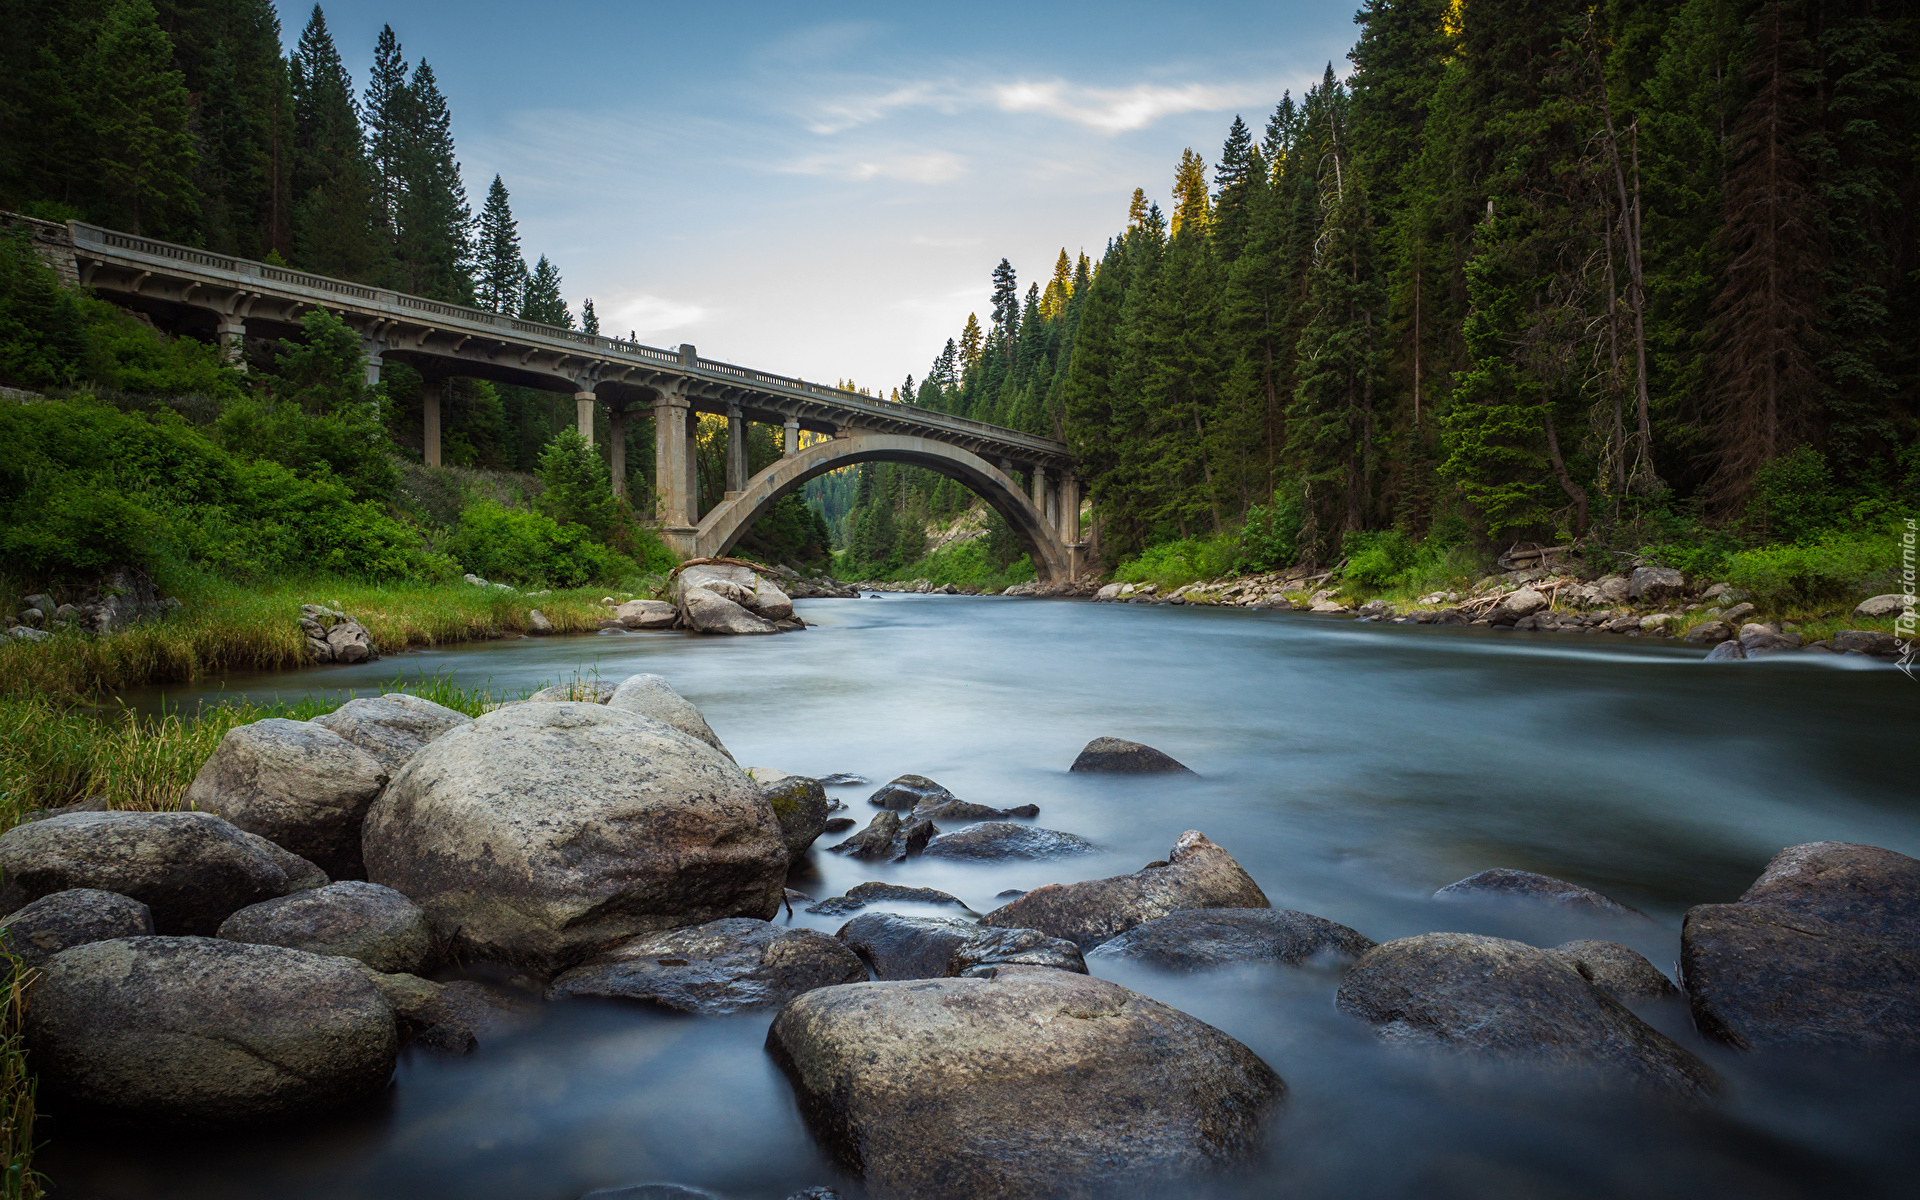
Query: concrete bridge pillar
(233, 343)
(617, 448)
(431, 392)
(672, 469)
(736, 451)
(1070, 509)
(1040, 492)
(583, 414)
(791, 446)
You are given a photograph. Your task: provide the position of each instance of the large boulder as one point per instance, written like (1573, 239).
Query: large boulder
(802, 806)
(1823, 951)
(1890, 605)
(191, 869)
(577, 691)
(1123, 757)
(1197, 874)
(883, 838)
(998, 841)
(956, 810)
(353, 919)
(647, 614)
(1200, 938)
(1524, 603)
(742, 585)
(652, 696)
(200, 1031)
(449, 1017)
(542, 834)
(898, 947)
(1034, 1082)
(71, 918)
(392, 728)
(1655, 583)
(720, 967)
(295, 783)
(1502, 884)
(1512, 1002)
(1620, 971)
(704, 611)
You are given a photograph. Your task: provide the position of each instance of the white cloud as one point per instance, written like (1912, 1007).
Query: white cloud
(839, 115)
(1116, 110)
(936, 166)
(648, 314)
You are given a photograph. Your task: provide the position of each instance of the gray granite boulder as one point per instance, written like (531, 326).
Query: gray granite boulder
(956, 811)
(704, 611)
(297, 784)
(392, 728)
(887, 838)
(998, 841)
(898, 947)
(1035, 1082)
(1619, 971)
(72, 918)
(1121, 756)
(543, 834)
(1655, 583)
(741, 585)
(207, 1032)
(990, 949)
(450, 1018)
(191, 869)
(353, 919)
(652, 696)
(1201, 938)
(720, 967)
(1866, 888)
(578, 691)
(1197, 874)
(802, 806)
(1514, 1003)
(647, 614)
(1503, 884)
(909, 792)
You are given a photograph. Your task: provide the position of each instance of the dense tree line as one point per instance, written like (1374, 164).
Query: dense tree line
(1535, 270)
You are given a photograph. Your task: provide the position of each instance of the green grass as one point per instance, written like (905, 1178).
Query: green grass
(19, 1091)
(1176, 564)
(223, 627)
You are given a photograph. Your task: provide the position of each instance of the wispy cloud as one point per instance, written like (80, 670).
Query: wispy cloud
(645, 313)
(934, 166)
(1116, 110)
(837, 116)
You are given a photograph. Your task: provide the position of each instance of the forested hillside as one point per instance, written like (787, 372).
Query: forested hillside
(1641, 273)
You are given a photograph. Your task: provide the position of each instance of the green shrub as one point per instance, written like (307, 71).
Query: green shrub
(1837, 566)
(578, 488)
(1271, 535)
(1794, 498)
(1171, 564)
(1378, 559)
(531, 548)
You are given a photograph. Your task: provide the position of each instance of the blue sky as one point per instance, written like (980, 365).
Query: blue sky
(822, 189)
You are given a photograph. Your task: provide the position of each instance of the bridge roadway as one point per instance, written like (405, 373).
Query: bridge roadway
(230, 299)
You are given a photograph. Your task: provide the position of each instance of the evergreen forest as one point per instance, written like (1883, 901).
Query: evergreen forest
(1641, 274)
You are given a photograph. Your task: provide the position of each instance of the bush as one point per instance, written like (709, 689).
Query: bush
(1271, 535)
(578, 489)
(1794, 498)
(1171, 564)
(1837, 566)
(1378, 559)
(531, 548)
(348, 445)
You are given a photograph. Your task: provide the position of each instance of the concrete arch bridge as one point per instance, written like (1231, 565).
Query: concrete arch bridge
(1029, 480)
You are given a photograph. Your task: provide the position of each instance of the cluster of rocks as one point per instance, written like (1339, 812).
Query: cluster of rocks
(334, 637)
(922, 587)
(724, 597)
(1533, 599)
(124, 596)
(1062, 589)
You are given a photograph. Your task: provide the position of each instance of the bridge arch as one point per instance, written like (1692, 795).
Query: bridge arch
(724, 525)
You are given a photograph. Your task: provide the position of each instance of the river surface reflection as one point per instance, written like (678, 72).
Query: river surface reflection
(1352, 769)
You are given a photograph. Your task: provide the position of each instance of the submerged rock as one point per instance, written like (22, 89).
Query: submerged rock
(720, 967)
(191, 869)
(1034, 1082)
(954, 810)
(451, 1018)
(1198, 874)
(652, 696)
(887, 837)
(542, 834)
(354, 919)
(1505, 883)
(1510, 1001)
(997, 841)
(392, 728)
(862, 895)
(200, 1031)
(909, 792)
(1121, 756)
(72, 918)
(296, 783)
(1200, 938)
(1619, 971)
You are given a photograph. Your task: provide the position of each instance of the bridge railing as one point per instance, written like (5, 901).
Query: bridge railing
(85, 235)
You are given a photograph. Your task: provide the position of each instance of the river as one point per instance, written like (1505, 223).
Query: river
(1350, 768)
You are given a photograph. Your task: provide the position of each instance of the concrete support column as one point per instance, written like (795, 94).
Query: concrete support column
(1070, 509)
(233, 343)
(431, 392)
(583, 414)
(617, 449)
(791, 446)
(736, 450)
(374, 350)
(671, 419)
(1040, 491)
(690, 454)
(1006, 467)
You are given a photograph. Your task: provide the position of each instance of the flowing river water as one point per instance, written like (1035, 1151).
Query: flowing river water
(1351, 769)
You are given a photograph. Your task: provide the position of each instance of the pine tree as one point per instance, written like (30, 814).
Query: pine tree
(1006, 308)
(589, 320)
(146, 157)
(541, 300)
(502, 270)
(433, 248)
(1239, 170)
(334, 229)
(970, 343)
(389, 131)
(1192, 202)
(578, 490)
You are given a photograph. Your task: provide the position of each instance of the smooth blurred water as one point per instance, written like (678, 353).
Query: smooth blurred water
(1351, 768)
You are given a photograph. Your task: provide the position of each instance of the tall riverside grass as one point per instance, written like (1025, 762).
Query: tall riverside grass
(224, 627)
(18, 1088)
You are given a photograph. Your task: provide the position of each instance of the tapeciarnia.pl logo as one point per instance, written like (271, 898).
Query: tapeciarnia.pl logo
(1904, 626)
